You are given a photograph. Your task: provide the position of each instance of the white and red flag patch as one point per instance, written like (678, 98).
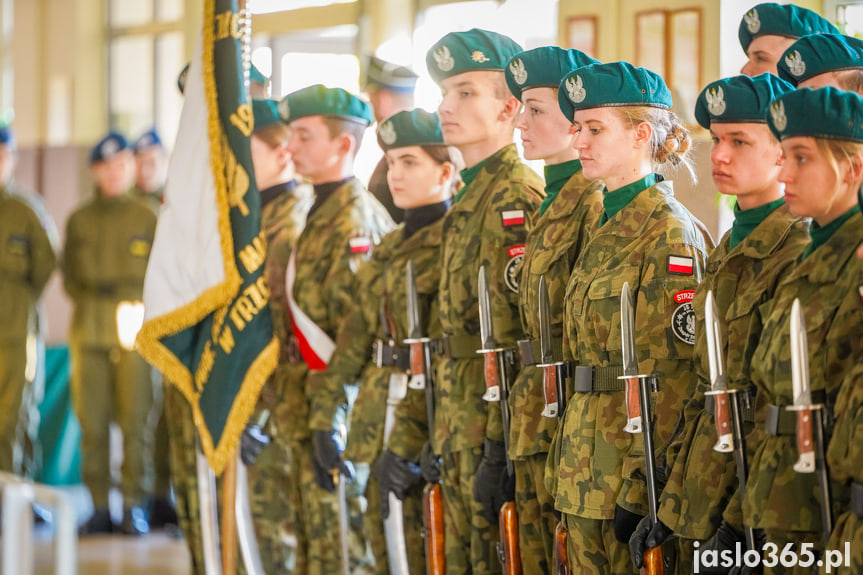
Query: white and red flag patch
(512, 217)
(680, 265)
(360, 245)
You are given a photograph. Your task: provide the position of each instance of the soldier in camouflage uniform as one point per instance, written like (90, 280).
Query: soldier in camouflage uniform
(342, 226)
(377, 324)
(822, 170)
(487, 226)
(646, 238)
(151, 169)
(27, 258)
(762, 245)
(572, 206)
(768, 29)
(108, 243)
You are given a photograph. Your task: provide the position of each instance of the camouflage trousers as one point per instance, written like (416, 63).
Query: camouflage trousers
(593, 549)
(470, 541)
(781, 538)
(848, 528)
(536, 520)
(318, 538)
(14, 389)
(413, 524)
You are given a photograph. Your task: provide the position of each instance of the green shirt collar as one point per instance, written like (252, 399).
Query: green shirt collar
(468, 175)
(745, 221)
(556, 176)
(821, 234)
(613, 202)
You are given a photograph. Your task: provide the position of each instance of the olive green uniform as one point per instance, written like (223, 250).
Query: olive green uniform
(742, 278)
(107, 247)
(659, 248)
(27, 259)
(486, 226)
(337, 238)
(551, 249)
(782, 502)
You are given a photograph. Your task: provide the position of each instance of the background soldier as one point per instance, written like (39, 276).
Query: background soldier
(823, 60)
(151, 169)
(108, 243)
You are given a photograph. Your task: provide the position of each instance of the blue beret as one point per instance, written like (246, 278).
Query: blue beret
(738, 99)
(318, 100)
(390, 76)
(476, 49)
(266, 112)
(820, 53)
(410, 128)
(7, 136)
(827, 113)
(108, 147)
(789, 20)
(614, 84)
(543, 67)
(256, 75)
(148, 139)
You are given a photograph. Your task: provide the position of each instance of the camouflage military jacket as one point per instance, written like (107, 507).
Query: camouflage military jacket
(829, 284)
(742, 280)
(487, 226)
(282, 220)
(551, 249)
(27, 259)
(337, 237)
(108, 244)
(659, 248)
(381, 291)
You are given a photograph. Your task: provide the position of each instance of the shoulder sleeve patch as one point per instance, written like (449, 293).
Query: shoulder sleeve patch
(512, 217)
(683, 323)
(512, 270)
(681, 265)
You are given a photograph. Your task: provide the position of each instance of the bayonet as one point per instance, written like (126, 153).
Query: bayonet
(810, 418)
(415, 331)
(552, 376)
(489, 350)
(630, 362)
(718, 380)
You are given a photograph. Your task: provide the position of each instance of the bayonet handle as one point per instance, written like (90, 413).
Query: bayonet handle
(805, 446)
(633, 408)
(492, 377)
(549, 386)
(722, 418)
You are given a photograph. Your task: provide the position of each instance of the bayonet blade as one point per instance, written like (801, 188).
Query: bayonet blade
(718, 381)
(414, 325)
(486, 331)
(627, 332)
(799, 358)
(546, 352)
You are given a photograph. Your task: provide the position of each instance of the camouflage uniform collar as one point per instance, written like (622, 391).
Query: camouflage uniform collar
(347, 192)
(570, 195)
(745, 221)
(821, 235)
(638, 211)
(614, 201)
(770, 234)
(466, 199)
(828, 262)
(556, 176)
(273, 192)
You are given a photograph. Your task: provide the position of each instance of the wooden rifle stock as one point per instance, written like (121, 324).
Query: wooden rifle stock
(434, 530)
(653, 562)
(561, 558)
(510, 559)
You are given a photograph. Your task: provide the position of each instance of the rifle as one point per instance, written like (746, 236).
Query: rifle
(638, 419)
(422, 377)
(341, 495)
(810, 419)
(498, 362)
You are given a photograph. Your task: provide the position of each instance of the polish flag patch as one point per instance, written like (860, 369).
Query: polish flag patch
(512, 217)
(681, 265)
(360, 245)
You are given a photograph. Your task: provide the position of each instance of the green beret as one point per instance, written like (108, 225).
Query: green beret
(476, 49)
(771, 19)
(266, 112)
(614, 84)
(318, 100)
(108, 147)
(819, 53)
(543, 67)
(390, 76)
(410, 128)
(827, 113)
(739, 99)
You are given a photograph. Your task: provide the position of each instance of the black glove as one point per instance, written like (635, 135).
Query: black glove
(725, 539)
(645, 538)
(487, 482)
(507, 486)
(625, 523)
(252, 441)
(396, 474)
(429, 464)
(328, 448)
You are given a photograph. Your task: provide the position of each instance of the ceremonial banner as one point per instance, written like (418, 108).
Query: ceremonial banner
(207, 325)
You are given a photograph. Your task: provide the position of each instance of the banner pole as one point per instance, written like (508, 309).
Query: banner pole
(229, 518)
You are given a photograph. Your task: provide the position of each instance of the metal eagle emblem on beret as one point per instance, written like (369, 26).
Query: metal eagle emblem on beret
(715, 101)
(575, 89)
(753, 23)
(443, 59)
(284, 109)
(387, 133)
(518, 71)
(777, 112)
(479, 57)
(795, 63)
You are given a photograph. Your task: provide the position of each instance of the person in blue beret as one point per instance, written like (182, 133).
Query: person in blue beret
(625, 135)
(487, 226)
(572, 205)
(108, 242)
(151, 169)
(768, 29)
(764, 242)
(822, 60)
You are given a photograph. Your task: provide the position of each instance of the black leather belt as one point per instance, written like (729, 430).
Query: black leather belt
(386, 355)
(529, 352)
(746, 404)
(463, 346)
(587, 379)
(780, 421)
(857, 499)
